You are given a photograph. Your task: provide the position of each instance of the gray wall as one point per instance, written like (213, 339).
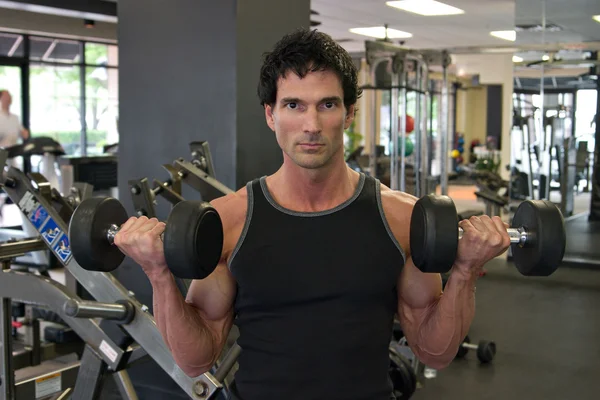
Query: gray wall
(260, 25)
(177, 84)
(188, 71)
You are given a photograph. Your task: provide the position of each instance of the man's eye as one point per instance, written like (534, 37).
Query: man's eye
(329, 104)
(292, 105)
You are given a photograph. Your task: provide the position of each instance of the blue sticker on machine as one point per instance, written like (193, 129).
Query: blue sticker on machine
(62, 249)
(51, 231)
(38, 217)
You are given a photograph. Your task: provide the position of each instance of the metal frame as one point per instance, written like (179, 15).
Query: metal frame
(28, 288)
(7, 378)
(208, 187)
(403, 61)
(104, 287)
(25, 386)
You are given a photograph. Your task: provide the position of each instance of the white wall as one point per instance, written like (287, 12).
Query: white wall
(493, 69)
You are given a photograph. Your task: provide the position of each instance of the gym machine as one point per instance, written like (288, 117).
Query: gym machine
(198, 173)
(50, 214)
(404, 64)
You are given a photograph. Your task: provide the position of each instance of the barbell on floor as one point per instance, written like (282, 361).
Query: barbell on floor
(537, 236)
(192, 240)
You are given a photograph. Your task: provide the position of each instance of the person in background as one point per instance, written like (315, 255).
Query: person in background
(11, 129)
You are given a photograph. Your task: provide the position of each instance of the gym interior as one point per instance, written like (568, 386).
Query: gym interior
(492, 104)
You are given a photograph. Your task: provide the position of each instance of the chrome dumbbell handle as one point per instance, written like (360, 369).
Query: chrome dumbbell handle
(517, 235)
(114, 229)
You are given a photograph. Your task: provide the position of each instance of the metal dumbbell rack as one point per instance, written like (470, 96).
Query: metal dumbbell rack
(402, 62)
(50, 214)
(199, 174)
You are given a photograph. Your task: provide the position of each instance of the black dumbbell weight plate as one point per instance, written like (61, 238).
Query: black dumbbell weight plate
(486, 351)
(403, 376)
(193, 240)
(87, 233)
(462, 351)
(542, 255)
(434, 234)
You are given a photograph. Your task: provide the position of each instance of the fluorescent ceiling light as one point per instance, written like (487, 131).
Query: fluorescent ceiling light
(500, 50)
(545, 57)
(425, 7)
(596, 18)
(517, 59)
(506, 35)
(379, 32)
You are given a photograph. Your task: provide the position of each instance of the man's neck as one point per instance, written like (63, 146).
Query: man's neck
(5, 110)
(308, 190)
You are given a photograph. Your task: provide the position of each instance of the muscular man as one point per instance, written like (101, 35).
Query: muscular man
(11, 129)
(316, 258)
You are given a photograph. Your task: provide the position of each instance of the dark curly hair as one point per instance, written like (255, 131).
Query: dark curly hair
(305, 51)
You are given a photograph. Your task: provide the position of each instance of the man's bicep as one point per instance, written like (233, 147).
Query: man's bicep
(214, 295)
(418, 293)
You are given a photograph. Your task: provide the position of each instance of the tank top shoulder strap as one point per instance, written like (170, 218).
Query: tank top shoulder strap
(252, 190)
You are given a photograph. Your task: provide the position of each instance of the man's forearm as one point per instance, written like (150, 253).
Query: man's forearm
(448, 322)
(184, 331)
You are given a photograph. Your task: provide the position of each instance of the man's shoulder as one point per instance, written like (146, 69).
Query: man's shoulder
(232, 204)
(394, 199)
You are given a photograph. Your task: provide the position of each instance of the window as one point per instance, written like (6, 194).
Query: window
(73, 89)
(54, 50)
(11, 45)
(585, 126)
(55, 98)
(102, 108)
(101, 54)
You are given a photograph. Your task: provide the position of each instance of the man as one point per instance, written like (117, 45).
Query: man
(10, 126)
(316, 258)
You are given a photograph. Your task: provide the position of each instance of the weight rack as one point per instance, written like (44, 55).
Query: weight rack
(49, 212)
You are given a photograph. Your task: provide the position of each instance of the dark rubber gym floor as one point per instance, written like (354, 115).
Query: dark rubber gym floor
(583, 241)
(547, 332)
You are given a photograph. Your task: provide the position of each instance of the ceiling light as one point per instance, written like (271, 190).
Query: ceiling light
(500, 50)
(545, 57)
(596, 18)
(517, 59)
(425, 7)
(506, 35)
(379, 32)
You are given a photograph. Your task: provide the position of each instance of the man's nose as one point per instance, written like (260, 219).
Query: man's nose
(312, 123)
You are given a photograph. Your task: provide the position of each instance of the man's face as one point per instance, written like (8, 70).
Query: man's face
(5, 99)
(309, 118)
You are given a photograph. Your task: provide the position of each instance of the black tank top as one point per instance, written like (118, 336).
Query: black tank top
(316, 298)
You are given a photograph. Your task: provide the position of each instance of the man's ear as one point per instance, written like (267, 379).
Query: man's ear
(270, 117)
(349, 116)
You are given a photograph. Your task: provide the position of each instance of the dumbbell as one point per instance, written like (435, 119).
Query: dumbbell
(537, 236)
(486, 350)
(192, 240)
(402, 375)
